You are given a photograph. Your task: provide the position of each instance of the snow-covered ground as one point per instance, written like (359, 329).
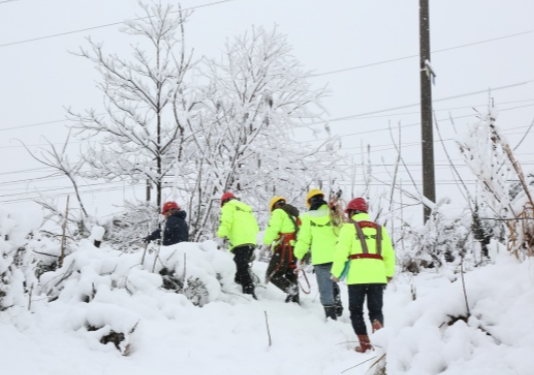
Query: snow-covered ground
(167, 334)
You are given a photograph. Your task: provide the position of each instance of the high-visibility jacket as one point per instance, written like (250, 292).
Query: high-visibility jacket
(364, 268)
(280, 222)
(238, 224)
(318, 232)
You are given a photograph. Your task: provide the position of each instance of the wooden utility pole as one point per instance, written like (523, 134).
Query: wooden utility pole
(427, 137)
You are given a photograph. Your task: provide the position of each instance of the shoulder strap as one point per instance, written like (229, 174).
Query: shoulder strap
(361, 237)
(292, 212)
(378, 239)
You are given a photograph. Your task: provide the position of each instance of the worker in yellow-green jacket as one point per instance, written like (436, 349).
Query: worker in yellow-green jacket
(280, 235)
(318, 232)
(364, 254)
(239, 225)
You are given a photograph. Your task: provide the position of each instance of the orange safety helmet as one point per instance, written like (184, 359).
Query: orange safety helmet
(313, 193)
(274, 201)
(226, 196)
(357, 204)
(169, 206)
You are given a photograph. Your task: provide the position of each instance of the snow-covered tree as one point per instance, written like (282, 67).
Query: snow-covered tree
(143, 134)
(257, 98)
(504, 204)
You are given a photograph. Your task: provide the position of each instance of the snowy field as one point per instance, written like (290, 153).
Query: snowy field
(164, 333)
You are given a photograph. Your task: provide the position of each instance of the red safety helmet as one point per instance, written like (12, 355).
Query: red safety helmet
(169, 206)
(226, 196)
(357, 204)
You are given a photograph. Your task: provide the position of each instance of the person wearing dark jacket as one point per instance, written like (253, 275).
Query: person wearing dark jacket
(175, 230)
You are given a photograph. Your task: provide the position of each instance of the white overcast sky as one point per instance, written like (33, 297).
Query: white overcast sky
(38, 77)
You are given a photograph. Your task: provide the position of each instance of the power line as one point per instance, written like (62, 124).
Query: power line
(25, 170)
(36, 124)
(82, 192)
(98, 27)
(403, 126)
(434, 100)
(361, 118)
(324, 139)
(413, 56)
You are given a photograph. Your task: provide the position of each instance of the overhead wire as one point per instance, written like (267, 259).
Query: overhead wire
(100, 26)
(406, 125)
(332, 72)
(417, 55)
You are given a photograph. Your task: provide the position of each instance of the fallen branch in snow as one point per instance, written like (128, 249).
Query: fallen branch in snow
(67, 274)
(156, 259)
(463, 285)
(30, 298)
(126, 286)
(347, 342)
(237, 295)
(144, 254)
(109, 272)
(128, 348)
(46, 254)
(380, 364)
(268, 330)
(361, 363)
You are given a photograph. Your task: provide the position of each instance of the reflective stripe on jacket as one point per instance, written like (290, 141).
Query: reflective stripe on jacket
(364, 270)
(238, 224)
(317, 232)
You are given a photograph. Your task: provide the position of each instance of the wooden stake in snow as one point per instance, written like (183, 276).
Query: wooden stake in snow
(268, 331)
(64, 233)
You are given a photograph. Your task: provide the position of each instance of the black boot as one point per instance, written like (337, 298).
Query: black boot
(249, 289)
(293, 298)
(337, 300)
(330, 312)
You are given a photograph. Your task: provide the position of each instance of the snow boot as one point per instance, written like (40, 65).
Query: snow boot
(337, 300)
(293, 298)
(250, 290)
(377, 325)
(330, 312)
(365, 344)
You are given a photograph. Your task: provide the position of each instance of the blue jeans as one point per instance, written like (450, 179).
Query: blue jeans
(326, 285)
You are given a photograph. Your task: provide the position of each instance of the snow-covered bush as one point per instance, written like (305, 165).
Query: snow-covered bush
(107, 281)
(490, 157)
(138, 220)
(17, 278)
(198, 271)
(442, 239)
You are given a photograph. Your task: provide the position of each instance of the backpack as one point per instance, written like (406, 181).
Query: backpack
(293, 213)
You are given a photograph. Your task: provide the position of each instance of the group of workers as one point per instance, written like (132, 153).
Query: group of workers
(357, 249)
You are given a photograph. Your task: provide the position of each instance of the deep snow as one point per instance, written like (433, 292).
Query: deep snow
(228, 335)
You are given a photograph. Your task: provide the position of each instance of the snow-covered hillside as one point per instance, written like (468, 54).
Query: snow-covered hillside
(100, 290)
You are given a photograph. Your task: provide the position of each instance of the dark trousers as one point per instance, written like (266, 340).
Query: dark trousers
(357, 294)
(281, 272)
(242, 255)
(286, 281)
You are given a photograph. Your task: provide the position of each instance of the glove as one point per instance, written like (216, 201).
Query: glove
(146, 239)
(220, 242)
(389, 278)
(265, 249)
